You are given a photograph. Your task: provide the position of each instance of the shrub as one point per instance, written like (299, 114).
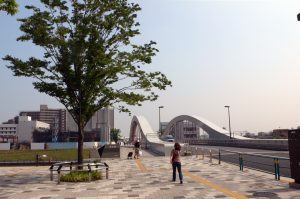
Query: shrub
(81, 176)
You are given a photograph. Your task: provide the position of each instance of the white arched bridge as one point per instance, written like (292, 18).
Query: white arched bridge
(183, 128)
(190, 129)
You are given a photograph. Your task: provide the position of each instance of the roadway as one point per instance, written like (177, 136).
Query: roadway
(252, 158)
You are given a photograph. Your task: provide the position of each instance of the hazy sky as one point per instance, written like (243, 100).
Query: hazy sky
(245, 54)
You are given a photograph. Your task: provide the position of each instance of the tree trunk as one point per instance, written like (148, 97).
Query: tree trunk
(80, 143)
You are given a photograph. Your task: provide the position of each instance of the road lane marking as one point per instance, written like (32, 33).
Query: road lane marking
(287, 180)
(140, 165)
(207, 183)
(215, 186)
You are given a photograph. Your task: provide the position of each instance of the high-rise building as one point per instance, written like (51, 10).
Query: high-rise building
(101, 123)
(55, 117)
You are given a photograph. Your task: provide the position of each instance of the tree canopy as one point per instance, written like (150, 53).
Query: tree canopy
(90, 60)
(9, 6)
(115, 135)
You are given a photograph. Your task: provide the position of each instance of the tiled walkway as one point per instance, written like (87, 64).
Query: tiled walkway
(148, 177)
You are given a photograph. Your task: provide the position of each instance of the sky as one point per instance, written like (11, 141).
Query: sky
(244, 54)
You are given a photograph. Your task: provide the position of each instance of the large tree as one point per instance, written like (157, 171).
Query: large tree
(90, 60)
(115, 135)
(9, 6)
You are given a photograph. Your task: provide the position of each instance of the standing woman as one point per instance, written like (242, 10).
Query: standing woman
(176, 161)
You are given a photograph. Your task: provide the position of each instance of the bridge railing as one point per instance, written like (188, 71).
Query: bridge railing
(273, 144)
(279, 166)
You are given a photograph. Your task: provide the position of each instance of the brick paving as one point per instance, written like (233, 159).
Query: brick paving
(148, 177)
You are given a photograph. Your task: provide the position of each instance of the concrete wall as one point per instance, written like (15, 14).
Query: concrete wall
(158, 148)
(72, 145)
(4, 146)
(91, 145)
(62, 145)
(164, 148)
(37, 146)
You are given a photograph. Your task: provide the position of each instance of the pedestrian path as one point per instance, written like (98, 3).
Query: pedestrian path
(148, 177)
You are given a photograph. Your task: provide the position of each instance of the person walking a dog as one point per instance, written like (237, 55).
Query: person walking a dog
(136, 150)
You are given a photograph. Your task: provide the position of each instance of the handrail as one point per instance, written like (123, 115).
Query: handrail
(241, 160)
(255, 154)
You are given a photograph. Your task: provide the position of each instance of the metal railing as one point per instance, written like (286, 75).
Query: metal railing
(71, 166)
(279, 166)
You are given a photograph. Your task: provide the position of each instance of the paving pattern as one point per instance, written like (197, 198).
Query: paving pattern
(148, 177)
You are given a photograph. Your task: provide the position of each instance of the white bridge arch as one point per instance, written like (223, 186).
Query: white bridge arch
(140, 129)
(214, 131)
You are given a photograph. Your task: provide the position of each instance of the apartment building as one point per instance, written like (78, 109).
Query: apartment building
(55, 117)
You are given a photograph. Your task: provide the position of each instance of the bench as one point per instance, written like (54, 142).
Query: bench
(71, 166)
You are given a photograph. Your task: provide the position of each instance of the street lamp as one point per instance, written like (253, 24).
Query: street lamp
(159, 118)
(229, 120)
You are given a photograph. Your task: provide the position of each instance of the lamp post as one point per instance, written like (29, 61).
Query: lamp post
(229, 120)
(159, 118)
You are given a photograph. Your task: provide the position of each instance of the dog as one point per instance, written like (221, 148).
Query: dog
(129, 156)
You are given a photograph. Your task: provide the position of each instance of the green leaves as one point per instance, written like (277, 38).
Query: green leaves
(115, 135)
(90, 61)
(88, 56)
(9, 6)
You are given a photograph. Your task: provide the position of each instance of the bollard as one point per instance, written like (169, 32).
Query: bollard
(58, 177)
(210, 156)
(37, 159)
(106, 172)
(241, 162)
(90, 176)
(278, 169)
(90, 170)
(202, 153)
(51, 175)
(275, 169)
(196, 149)
(219, 156)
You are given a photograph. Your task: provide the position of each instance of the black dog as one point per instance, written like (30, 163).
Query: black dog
(129, 156)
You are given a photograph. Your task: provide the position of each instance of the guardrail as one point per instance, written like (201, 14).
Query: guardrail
(269, 161)
(71, 166)
(279, 166)
(273, 144)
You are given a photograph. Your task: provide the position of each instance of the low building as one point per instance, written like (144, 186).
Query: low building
(280, 133)
(26, 127)
(22, 131)
(8, 133)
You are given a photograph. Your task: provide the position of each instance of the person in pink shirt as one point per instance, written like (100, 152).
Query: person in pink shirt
(176, 162)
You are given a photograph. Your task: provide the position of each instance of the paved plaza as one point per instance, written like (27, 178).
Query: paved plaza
(148, 177)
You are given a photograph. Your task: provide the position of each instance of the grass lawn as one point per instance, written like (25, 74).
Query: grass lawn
(55, 154)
